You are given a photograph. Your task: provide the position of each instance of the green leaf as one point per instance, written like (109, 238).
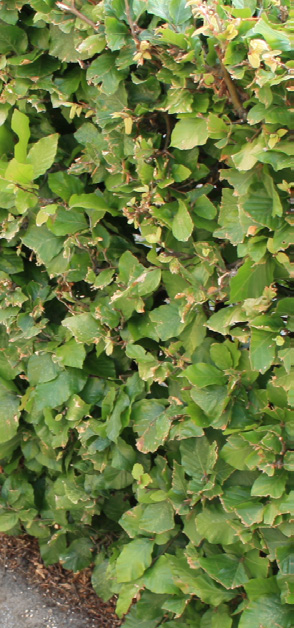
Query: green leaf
(115, 421)
(157, 518)
(158, 578)
(151, 423)
(94, 205)
(92, 45)
(8, 521)
(273, 486)
(64, 185)
(52, 548)
(179, 11)
(83, 327)
(266, 611)
(261, 207)
(67, 221)
(116, 33)
(235, 452)
(44, 243)
(9, 410)
(182, 224)
(220, 354)
(44, 213)
(231, 227)
(250, 281)
(200, 585)
(222, 320)
(198, 456)
(189, 133)
(205, 208)
(180, 172)
(17, 172)
(262, 349)
(57, 391)
(215, 525)
(227, 569)
(212, 400)
(154, 435)
(12, 39)
(214, 618)
(41, 368)
(89, 201)
(64, 45)
(202, 375)
(20, 125)
(167, 321)
(42, 154)
(134, 559)
(100, 583)
(71, 354)
(102, 70)
(77, 409)
(78, 555)
(274, 37)
(247, 157)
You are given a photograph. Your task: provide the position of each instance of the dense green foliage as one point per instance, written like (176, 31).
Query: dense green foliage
(147, 389)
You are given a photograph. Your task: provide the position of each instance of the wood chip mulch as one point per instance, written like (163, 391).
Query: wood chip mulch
(70, 590)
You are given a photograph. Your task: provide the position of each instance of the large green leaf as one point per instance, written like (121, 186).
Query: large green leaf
(9, 410)
(19, 173)
(262, 349)
(42, 154)
(189, 133)
(266, 611)
(157, 518)
(12, 39)
(57, 391)
(102, 70)
(41, 368)
(226, 569)
(71, 354)
(134, 559)
(159, 577)
(202, 375)
(151, 423)
(270, 485)
(116, 32)
(44, 243)
(198, 456)
(8, 521)
(78, 555)
(83, 327)
(250, 281)
(216, 526)
(182, 224)
(20, 125)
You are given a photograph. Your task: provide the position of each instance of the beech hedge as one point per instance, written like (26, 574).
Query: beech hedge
(147, 311)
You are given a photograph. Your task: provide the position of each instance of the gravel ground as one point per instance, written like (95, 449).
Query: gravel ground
(24, 606)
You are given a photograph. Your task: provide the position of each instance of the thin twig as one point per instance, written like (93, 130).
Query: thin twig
(132, 24)
(72, 9)
(231, 87)
(168, 131)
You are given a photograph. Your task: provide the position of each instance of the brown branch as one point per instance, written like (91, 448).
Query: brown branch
(133, 26)
(72, 9)
(231, 87)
